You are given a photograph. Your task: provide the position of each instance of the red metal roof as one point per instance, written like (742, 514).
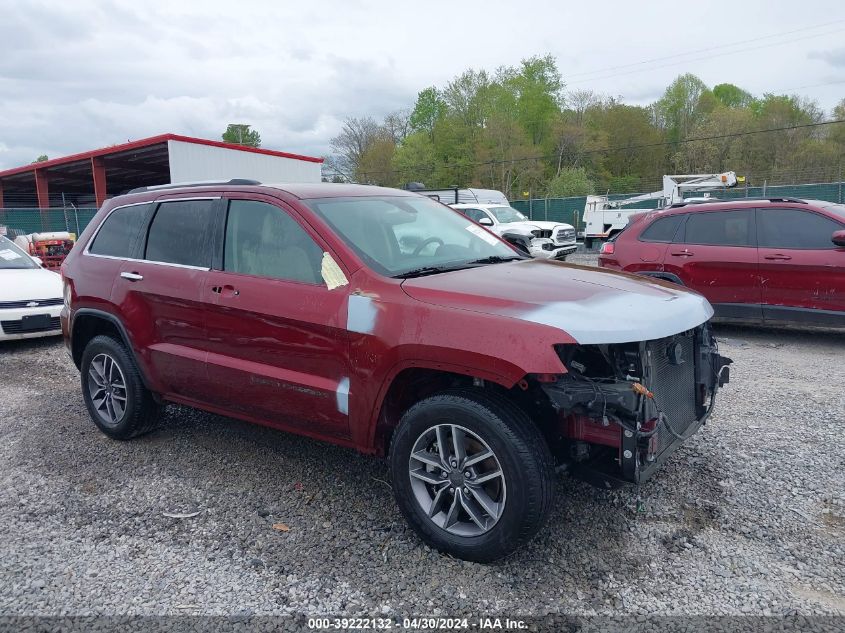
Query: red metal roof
(146, 142)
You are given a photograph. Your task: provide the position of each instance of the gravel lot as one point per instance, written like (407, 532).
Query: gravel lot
(747, 517)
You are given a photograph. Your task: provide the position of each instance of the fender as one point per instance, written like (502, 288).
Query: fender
(369, 437)
(121, 329)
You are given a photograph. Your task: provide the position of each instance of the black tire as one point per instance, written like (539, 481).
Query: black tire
(141, 412)
(520, 450)
(588, 243)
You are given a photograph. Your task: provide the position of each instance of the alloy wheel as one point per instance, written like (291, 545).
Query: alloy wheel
(107, 388)
(457, 480)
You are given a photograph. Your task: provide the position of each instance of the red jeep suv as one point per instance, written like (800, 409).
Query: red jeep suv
(776, 260)
(385, 321)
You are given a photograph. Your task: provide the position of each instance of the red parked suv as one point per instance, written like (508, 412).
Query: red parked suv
(384, 321)
(777, 260)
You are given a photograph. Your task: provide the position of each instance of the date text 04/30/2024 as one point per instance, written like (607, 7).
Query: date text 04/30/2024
(419, 624)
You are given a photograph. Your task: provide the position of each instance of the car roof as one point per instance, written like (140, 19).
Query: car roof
(303, 191)
(722, 205)
(476, 205)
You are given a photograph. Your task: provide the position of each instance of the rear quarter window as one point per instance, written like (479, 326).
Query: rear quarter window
(118, 234)
(662, 229)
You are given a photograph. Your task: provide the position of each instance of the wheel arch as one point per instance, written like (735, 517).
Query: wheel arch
(409, 384)
(658, 274)
(89, 323)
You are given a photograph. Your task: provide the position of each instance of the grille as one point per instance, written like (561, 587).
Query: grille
(541, 233)
(565, 235)
(8, 305)
(673, 384)
(14, 327)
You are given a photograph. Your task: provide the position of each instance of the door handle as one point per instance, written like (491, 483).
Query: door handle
(778, 257)
(683, 253)
(132, 276)
(226, 291)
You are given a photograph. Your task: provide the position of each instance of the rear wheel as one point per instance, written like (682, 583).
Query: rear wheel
(472, 474)
(113, 391)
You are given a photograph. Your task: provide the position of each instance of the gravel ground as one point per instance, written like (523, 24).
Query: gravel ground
(747, 517)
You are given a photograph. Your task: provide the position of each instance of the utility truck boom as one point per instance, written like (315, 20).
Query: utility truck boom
(603, 218)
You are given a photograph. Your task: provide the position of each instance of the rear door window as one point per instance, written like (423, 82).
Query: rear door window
(795, 229)
(662, 229)
(179, 233)
(119, 232)
(720, 228)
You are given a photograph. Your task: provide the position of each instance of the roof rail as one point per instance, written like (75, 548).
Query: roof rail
(198, 183)
(684, 203)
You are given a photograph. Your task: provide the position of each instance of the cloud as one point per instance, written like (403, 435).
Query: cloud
(834, 57)
(85, 74)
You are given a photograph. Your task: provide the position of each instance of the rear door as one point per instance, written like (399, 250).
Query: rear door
(715, 253)
(160, 295)
(280, 346)
(802, 270)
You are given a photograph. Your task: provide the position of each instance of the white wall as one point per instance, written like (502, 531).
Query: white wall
(190, 162)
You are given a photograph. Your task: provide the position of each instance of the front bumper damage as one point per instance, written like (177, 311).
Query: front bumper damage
(623, 409)
(544, 248)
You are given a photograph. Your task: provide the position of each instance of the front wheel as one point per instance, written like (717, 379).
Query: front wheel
(471, 474)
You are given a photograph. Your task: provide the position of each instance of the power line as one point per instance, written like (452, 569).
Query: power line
(599, 71)
(610, 149)
(706, 57)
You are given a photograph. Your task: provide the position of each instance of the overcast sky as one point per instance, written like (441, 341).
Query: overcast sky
(85, 74)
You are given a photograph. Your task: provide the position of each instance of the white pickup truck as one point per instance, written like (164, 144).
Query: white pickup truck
(490, 208)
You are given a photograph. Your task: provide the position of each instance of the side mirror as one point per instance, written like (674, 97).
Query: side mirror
(838, 238)
(37, 260)
(485, 222)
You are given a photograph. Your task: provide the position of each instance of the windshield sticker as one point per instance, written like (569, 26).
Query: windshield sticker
(8, 254)
(332, 274)
(484, 235)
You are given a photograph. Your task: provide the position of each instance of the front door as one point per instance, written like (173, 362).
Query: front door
(801, 268)
(277, 336)
(716, 254)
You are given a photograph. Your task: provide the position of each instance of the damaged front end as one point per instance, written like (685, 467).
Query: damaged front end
(623, 408)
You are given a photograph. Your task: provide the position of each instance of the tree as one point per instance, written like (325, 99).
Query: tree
(683, 105)
(428, 109)
(732, 96)
(397, 125)
(41, 159)
(414, 160)
(571, 181)
(241, 134)
(376, 163)
(537, 84)
(356, 136)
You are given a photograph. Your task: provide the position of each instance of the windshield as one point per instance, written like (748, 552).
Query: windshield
(12, 257)
(507, 214)
(399, 235)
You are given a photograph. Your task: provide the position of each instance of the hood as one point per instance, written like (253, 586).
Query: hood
(590, 305)
(29, 283)
(533, 224)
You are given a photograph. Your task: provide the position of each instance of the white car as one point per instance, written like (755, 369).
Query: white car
(30, 296)
(549, 240)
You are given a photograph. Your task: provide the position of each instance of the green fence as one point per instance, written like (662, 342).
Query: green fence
(571, 210)
(568, 210)
(23, 221)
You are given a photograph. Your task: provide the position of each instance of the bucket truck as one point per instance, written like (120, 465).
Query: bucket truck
(603, 218)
